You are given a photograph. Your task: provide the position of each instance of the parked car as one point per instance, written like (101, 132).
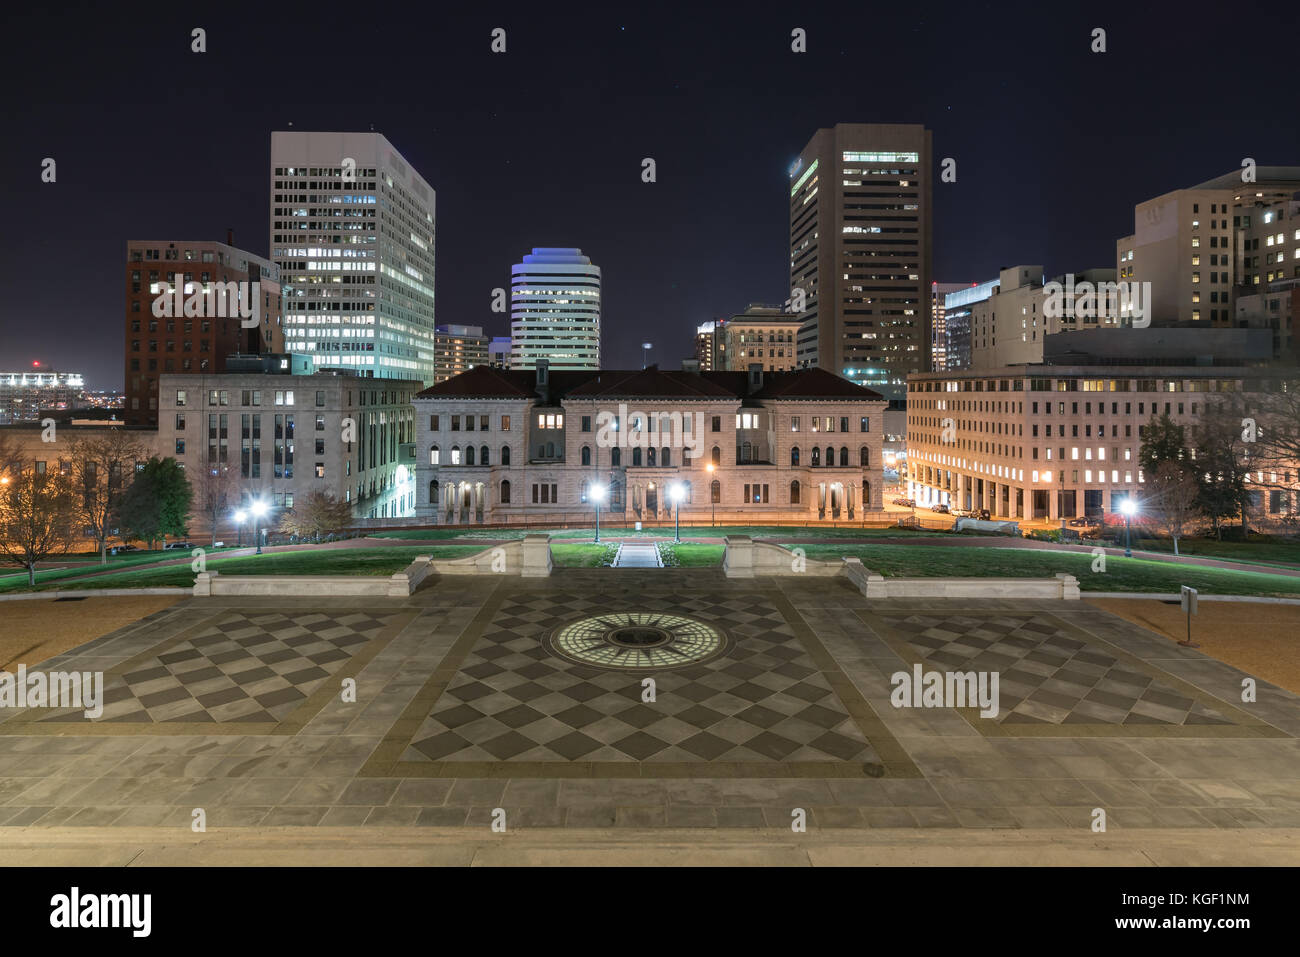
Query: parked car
(985, 515)
(906, 502)
(961, 513)
(118, 549)
(940, 508)
(1084, 522)
(170, 545)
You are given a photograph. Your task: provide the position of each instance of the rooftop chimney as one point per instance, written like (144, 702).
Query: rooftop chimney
(230, 237)
(543, 380)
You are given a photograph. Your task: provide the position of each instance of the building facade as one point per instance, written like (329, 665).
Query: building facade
(860, 252)
(761, 334)
(25, 395)
(938, 309)
(284, 435)
(458, 349)
(520, 446)
(352, 230)
(555, 310)
(1062, 438)
(191, 325)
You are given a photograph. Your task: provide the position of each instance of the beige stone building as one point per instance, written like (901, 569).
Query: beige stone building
(761, 334)
(1062, 438)
(500, 446)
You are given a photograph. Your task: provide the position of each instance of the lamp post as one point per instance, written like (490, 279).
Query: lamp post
(1129, 508)
(597, 493)
(713, 505)
(259, 511)
(675, 492)
(240, 518)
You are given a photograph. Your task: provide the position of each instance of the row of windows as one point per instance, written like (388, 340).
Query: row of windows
(544, 493)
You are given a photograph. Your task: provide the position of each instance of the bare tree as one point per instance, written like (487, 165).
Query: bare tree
(37, 517)
(102, 466)
(10, 456)
(1171, 498)
(215, 491)
(316, 514)
(1270, 428)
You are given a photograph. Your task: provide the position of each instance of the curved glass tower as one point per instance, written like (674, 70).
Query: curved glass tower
(555, 310)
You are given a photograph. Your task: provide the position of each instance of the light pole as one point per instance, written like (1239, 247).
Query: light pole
(240, 518)
(597, 493)
(713, 505)
(675, 492)
(259, 511)
(1129, 508)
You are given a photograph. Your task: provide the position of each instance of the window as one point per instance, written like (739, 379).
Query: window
(666, 458)
(505, 455)
(469, 455)
(320, 423)
(794, 455)
(844, 423)
(433, 423)
(320, 469)
(180, 399)
(505, 491)
(433, 455)
(455, 423)
(864, 424)
(830, 456)
(715, 491)
(433, 491)
(586, 423)
(717, 456)
(320, 400)
(320, 446)
(455, 455)
(816, 456)
(586, 449)
(616, 457)
(717, 423)
(483, 421)
(180, 421)
(636, 456)
(505, 423)
(844, 456)
(483, 456)
(794, 423)
(864, 457)
(794, 492)
(650, 456)
(180, 446)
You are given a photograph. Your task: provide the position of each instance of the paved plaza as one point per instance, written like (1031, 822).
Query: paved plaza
(530, 696)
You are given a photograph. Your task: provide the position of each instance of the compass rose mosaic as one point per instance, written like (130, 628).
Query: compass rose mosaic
(637, 641)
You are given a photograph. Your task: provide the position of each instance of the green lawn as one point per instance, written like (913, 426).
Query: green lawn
(772, 532)
(345, 561)
(689, 555)
(1259, 549)
(1121, 574)
(589, 555)
(16, 580)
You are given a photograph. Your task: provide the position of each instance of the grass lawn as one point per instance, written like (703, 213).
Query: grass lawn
(16, 580)
(689, 555)
(589, 555)
(771, 532)
(1121, 574)
(334, 561)
(1260, 549)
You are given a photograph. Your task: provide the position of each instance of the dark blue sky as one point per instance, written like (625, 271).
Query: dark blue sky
(542, 146)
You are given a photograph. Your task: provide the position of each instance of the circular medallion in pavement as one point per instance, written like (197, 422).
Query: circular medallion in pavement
(637, 641)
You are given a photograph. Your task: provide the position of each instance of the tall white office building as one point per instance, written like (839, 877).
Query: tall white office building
(352, 229)
(555, 310)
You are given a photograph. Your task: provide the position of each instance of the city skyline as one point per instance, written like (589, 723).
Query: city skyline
(1017, 184)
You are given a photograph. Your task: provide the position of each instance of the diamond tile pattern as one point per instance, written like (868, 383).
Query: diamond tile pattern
(762, 701)
(246, 668)
(1047, 675)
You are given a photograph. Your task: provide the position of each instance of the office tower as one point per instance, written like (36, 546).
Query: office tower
(25, 395)
(555, 310)
(352, 228)
(704, 345)
(1197, 246)
(860, 252)
(458, 349)
(938, 342)
(193, 328)
(499, 352)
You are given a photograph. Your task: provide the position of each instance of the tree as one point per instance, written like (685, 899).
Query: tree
(1164, 441)
(319, 513)
(11, 457)
(216, 490)
(1270, 427)
(102, 466)
(37, 517)
(1171, 498)
(1221, 466)
(158, 502)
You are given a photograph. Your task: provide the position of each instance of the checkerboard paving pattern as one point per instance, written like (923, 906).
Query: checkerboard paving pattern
(513, 701)
(255, 668)
(1047, 676)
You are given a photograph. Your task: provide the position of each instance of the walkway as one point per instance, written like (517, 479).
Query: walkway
(637, 556)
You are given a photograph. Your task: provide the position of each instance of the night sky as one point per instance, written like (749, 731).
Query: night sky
(542, 146)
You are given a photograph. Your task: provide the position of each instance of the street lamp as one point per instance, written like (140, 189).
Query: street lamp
(240, 518)
(1129, 508)
(713, 505)
(597, 493)
(259, 511)
(676, 492)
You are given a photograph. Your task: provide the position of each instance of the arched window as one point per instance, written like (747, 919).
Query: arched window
(717, 456)
(866, 493)
(666, 459)
(864, 457)
(650, 456)
(505, 491)
(844, 456)
(433, 492)
(830, 456)
(636, 455)
(455, 455)
(794, 455)
(483, 456)
(433, 455)
(746, 451)
(616, 457)
(816, 456)
(715, 492)
(469, 455)
(586, 455)
(794, 492)
(505, 455)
